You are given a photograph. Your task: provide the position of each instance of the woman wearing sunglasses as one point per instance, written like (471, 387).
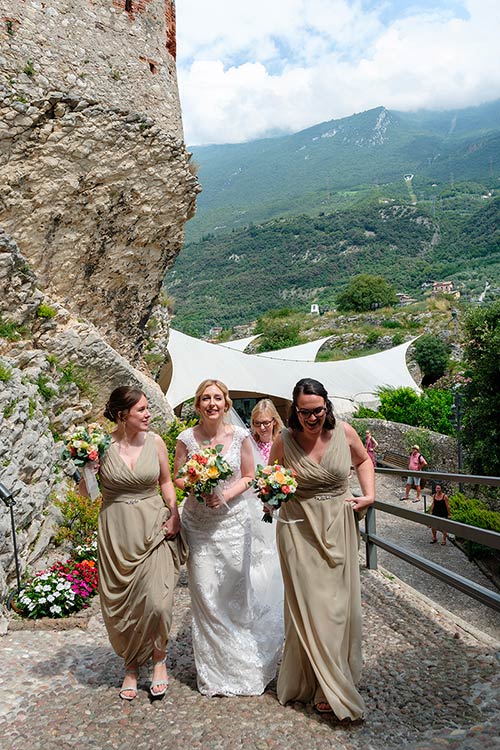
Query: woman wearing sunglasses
(265, 424)
(319, 555)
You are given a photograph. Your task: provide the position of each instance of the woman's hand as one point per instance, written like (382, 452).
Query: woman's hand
(214, 499)
(360, 503)
(172, 527)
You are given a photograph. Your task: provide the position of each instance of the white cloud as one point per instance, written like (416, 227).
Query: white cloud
(249, 69)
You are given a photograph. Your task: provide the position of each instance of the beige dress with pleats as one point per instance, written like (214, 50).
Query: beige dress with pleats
(138, 567)
(319, 561)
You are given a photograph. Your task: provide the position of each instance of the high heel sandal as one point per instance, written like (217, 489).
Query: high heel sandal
(130, 689)
(157, 683)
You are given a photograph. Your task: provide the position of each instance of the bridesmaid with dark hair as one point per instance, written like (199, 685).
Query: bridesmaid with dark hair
(319, 555)
(139, 546)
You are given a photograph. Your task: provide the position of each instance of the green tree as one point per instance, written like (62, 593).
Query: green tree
(432, 355)
(481, 434)
(366, 292)
(278, 333)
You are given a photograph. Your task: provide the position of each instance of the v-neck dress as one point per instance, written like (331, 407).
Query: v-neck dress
(138, 567)
(235, 586)
(319, 560)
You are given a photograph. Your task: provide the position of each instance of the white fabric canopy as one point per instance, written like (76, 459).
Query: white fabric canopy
(349, 383)
(300, 353)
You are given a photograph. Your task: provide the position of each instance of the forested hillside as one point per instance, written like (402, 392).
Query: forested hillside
(338, 163)
(287, 221)
(228, 280)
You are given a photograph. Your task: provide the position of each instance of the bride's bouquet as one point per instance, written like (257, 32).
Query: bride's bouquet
(274, 485)
(83, 445)
(203, 472)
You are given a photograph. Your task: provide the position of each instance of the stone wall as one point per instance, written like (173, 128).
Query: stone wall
(94, 50)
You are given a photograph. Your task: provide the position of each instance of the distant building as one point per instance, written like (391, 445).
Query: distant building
(445, 287)
(314, 309)
(405, 299)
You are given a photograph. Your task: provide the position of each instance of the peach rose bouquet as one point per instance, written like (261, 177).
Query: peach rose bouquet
(203, 472)
(83, 446)
(274, 485)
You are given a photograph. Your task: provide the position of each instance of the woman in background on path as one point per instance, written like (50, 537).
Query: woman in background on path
(265, 424)
(233, 572)
(139, 548)
(440, 507)
(370, 445)
(319, 555)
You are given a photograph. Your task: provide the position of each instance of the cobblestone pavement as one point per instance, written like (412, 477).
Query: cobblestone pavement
(428, 684)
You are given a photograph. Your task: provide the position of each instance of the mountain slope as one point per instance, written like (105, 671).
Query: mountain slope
(312, 170)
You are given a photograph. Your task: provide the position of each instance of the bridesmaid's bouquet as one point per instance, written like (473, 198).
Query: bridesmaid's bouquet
(83, 445)
(274, 485)
(203, 472)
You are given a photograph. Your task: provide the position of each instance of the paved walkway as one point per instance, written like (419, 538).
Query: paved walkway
(431, 679)
(416, 538)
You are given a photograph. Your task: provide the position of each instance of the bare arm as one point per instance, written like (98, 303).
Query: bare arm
(247, 472)
(172, 526)
(363, 467)
(447, 501)
(181, 457)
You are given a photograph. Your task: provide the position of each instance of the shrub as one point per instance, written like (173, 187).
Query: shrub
(10, 330)
(5, 374)
(80, 515)
(432, 356)
(45, 389)
(474, 512)
(45, 311)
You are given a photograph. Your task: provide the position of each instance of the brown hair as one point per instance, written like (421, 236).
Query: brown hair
(310, 387)
(265, 406)
(121, 400)
(220, 385)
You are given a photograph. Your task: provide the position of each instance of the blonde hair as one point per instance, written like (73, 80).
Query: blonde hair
(220, 385)
(266, 406)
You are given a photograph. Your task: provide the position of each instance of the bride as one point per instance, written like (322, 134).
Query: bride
(233, 569)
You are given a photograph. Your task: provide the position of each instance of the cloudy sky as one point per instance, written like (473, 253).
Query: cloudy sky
(251, 69)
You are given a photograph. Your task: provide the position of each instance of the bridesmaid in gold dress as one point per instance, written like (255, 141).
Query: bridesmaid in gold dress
(319, 556)
(139, 547)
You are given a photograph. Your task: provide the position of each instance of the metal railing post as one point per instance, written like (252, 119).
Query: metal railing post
(371, 548)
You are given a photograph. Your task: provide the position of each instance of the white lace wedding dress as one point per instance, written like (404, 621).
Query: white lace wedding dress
(235, 585)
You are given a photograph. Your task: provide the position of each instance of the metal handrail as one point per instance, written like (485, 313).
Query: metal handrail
(473, 533)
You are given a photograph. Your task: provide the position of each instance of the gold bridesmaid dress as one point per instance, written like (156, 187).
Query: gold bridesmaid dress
(138, 567)
(319, 561)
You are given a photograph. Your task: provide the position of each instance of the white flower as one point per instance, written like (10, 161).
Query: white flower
(31, 606)
(47, 588)
(60, 586)
(42, 600)
(56, 609)
(50, 598)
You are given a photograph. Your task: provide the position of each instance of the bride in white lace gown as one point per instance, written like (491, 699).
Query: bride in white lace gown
(233, 568)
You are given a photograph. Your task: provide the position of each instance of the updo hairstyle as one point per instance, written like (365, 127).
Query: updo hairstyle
(121, 401)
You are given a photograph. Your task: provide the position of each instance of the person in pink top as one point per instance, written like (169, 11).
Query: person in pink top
(265, 424)
(416, 462)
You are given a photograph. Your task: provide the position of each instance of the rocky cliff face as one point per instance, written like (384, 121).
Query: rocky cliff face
(95, 188)
(95, 181)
